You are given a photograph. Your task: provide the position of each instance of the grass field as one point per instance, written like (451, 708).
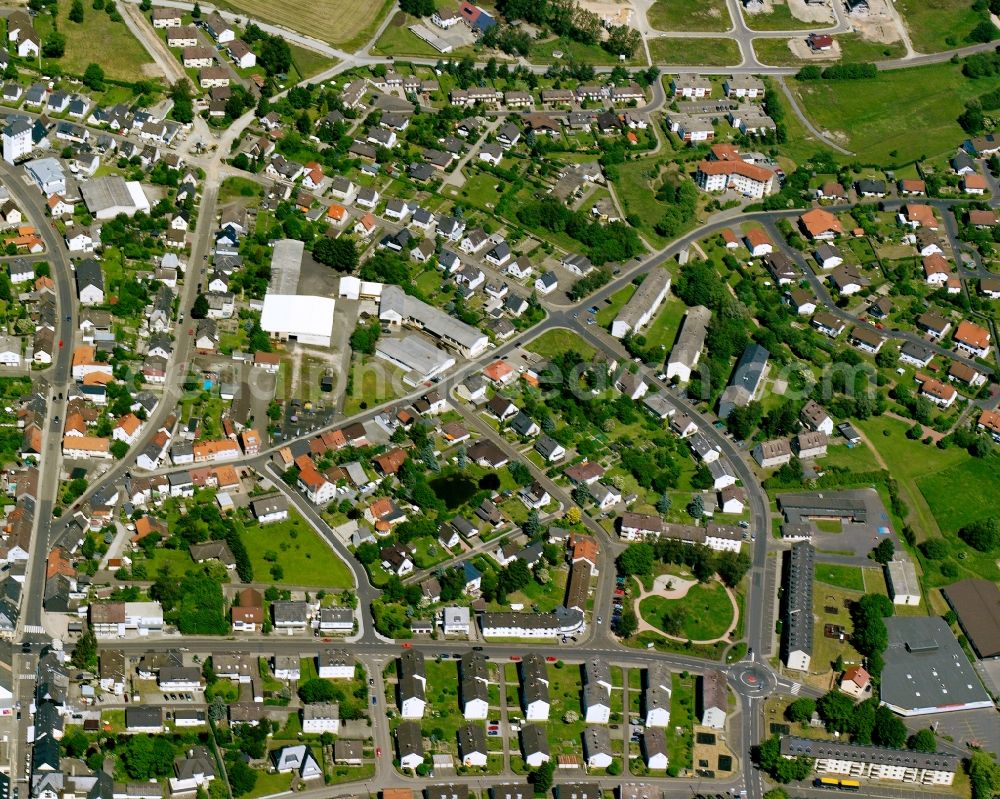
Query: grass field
(966, 492)
(607, 314)
(780, 19)
(345, 23)
(543, 52)
(855, 459)
(707, 611)
(849, 577)
(692, 52)
(829, 525)
(98, 40)
(308, 62)
(852, 47)
(557, 341)
(304, 559)
(682, 707)
(853, 111)
(677, 15)
(638, 197)
(936, 25)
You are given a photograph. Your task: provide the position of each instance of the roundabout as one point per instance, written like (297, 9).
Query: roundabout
(751, 679)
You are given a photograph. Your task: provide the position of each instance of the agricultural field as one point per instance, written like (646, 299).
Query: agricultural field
(675, 15)
(344, 23)
(854, 111)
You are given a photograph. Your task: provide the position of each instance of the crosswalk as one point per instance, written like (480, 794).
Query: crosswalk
(37, 629)
(796, 687)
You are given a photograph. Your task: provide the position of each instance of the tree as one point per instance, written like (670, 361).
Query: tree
(76, 12)
(663, 504)
(768, 757)
(883, 552)
(801, 710)
(75, 742)
(696, 507)
(628, 624)
(242, 778)
(199, 310)
(541, 777)
(340, 253)
(889, 729)
(983, 535)
(54, 45)
(93, 77)
(275, 56)
(317, 690)
(636, 559)
(417, 8)
(119, 449)
(85, 651)
(146, 757)
(196, 11)
(835, 709)
(984, 775)
(922, 741)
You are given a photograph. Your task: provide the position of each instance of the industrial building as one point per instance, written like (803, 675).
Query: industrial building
(977, 605)
(399, 308)
(112, 195)
(416, 356)
(926, 670)
(901, 580)
(308, 320)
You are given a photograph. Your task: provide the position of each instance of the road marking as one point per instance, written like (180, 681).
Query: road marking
(796, 687)
(37, 629)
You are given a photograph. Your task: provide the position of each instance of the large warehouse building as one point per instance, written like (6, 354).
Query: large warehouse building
(977, 605)
(416, 356)
(308, 320)
(109, 196)
(926, 670)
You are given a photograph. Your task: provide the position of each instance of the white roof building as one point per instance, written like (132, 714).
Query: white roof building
(307, 319)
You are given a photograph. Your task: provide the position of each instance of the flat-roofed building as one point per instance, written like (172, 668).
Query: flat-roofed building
(977, 605)
(901, 580)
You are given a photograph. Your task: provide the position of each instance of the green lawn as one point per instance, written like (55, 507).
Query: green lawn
(664, 327)
(707, 611)
(856, 459)
(677, 15)
(607, 314)
(557, 341)
(98, 40)
(829, 525)
(694, 52)
(849, 577)
(682, 707)
(780, 19)
(963, 493)
(938, 24)
(308, 62)
(854, 111)
(298, 550)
